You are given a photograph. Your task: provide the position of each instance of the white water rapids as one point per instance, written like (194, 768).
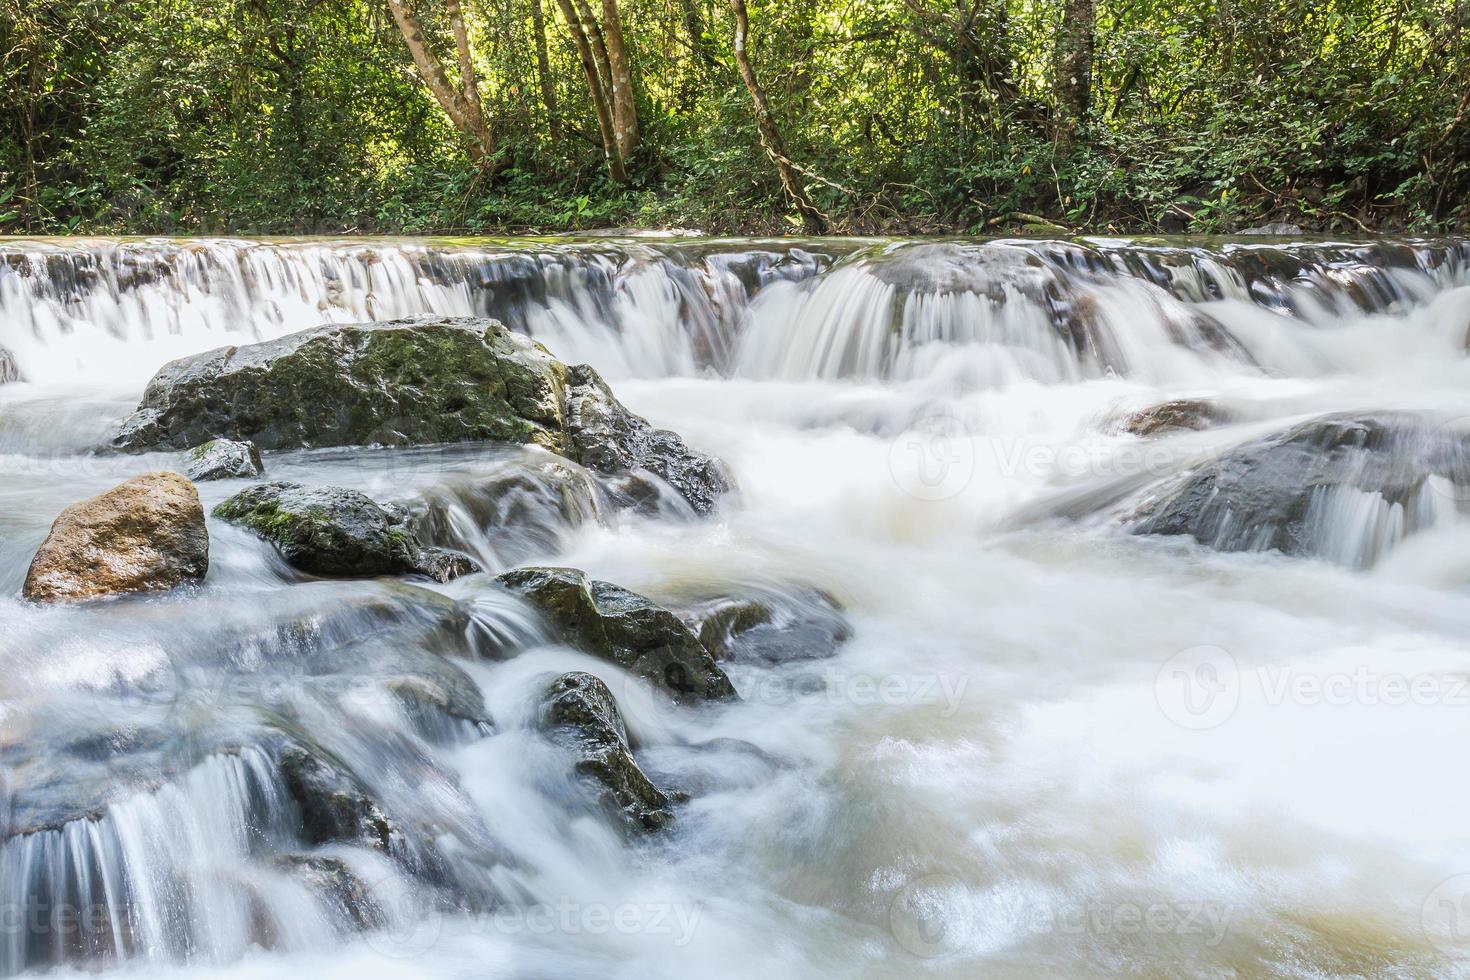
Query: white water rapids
(1049, 748)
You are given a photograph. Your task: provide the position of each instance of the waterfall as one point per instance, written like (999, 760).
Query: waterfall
(1047, 312)
(988, 496)
(162, 875)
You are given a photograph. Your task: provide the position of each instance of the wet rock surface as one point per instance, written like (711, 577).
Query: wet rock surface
(336, 531)
(770, 627)
(1172, 416)
(334, 881)
(411, 382)
(580, 713)
(145, 535)
(223, 459)
(334, 805)
(401, 382)
(9, 370)
(1284, 491)
(606, 437)
(624, 628)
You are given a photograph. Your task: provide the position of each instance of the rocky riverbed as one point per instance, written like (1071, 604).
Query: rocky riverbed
(825, 608)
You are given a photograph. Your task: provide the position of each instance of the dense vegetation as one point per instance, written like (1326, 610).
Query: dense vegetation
(861, 115)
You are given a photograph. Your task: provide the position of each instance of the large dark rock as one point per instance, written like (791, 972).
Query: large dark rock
(144, 535)
(335, 807)
(223, 459)
(336, 531)
(580, 713)
(412, 382)
(403, 382)
(1285, 491)
(606, 437)
(625, 628)
(770, 627)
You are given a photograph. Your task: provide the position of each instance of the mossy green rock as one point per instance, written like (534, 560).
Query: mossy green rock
(336, 531)
(416, 381)
(580, 713)
(625, 628)
(401, 382)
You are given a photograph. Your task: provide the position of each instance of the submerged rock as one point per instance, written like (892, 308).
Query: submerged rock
(606, 437)
(625, 628)
(1181, 413)
(580, 713)
(402, 382)
(333, 881)
(411, 382)
(335, 806)
(1342, 487)
(1273, 229)
(336, 531)
(773, 627)
(223, 459)
(144, 535)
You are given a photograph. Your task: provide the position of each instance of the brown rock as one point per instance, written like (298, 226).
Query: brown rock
(1182, 413)
(144, 535)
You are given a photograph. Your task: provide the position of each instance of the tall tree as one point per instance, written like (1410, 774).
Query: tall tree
(813, 222)
(603, 52)
(583, 31)
(620, 73)
(1074, 53)
(462, 105)
(543, 71)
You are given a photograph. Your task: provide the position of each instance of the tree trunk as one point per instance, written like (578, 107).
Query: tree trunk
(575, 25)
(1074, 62)
(813, 222)
(625, 110)
(462, 108)
(694, 26)
(543, 72)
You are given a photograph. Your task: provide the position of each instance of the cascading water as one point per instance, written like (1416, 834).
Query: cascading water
(1153, 561)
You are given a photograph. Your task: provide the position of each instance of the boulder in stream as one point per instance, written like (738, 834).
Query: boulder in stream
(336, 531)
(335, 807)
(416, 381)
(580, 713)
(223, 459)
(608, 438)
(770, 626)
(401, 382)
(1172, 416)
(145, 535)
(1343, 487)
(624, 628)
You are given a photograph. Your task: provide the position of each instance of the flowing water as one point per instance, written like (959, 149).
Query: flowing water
(1049, 747)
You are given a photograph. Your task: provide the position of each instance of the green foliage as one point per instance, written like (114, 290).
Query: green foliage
(300, 116)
